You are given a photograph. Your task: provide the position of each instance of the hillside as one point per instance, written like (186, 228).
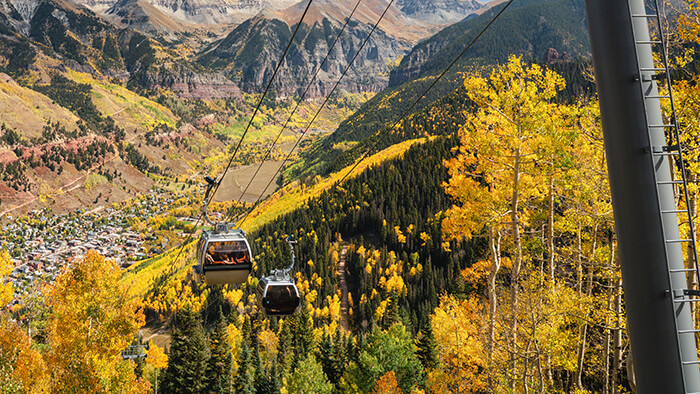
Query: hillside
(367, 126)
(529, 27)
(250, 53)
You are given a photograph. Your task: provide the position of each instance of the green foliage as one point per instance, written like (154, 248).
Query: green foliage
(188, 355)
(427, 347)
(308, 377)
(20, 56)
(384, 351)
(529, 28)
(244, 382)
(219, 366)
(72, 95)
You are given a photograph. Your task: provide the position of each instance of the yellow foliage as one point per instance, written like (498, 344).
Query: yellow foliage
(387, 384)
(268, 345)
(91, 322)
(235, 336)
(156, 357)
(6, 267)
(233, 296)
(457, 326)
(21, 366)
(399, 235)
(381, 309)
(311, 296)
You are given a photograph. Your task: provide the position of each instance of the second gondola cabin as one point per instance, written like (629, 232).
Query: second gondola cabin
(278, 294)
(224, 256)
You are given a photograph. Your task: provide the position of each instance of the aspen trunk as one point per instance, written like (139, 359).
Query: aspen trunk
(495, 245)
(617, 356)
(517, 262)
(691, 278)
(550, 226)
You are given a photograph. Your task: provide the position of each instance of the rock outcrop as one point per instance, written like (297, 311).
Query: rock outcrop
(250, 54)
(439, 11)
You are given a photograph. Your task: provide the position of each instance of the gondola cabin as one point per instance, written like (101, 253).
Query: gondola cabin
(278, 294)
(224, 256)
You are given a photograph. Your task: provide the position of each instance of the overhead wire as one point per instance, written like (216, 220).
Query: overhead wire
(404, 115)
(317, 112)
(240, 141)
(442, 74)
(257, 107)
(299, 101)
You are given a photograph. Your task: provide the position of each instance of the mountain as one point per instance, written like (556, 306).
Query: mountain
(207, 12)
(529, 27)
(439, 11)
(69, 36)
(250, 53)
(143, 16)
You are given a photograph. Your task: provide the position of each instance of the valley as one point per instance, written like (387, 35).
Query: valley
(450, 216)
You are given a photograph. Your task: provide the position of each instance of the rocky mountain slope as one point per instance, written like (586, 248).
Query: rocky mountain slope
(529, 27)
(250, 53)
(439, 11)
(71, 36)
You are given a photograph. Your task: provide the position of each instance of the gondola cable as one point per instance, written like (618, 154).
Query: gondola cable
(401, 118)
(408, 111)
(262, 98)
(213, 190)
(301, 98)
(325, 101)
(393, 125)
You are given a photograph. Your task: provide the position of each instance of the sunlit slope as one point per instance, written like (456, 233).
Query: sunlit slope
(128, 109)
(27, 110)
(148, 274)
(294, 196)
(166, 269)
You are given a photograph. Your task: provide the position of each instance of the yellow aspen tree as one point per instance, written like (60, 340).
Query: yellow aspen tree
(92, 320)
(157, 359)
(22, 368)
(6, 289)
(497, 175)
(457, 326)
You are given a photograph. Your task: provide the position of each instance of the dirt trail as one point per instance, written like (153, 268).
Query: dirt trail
(344, 318)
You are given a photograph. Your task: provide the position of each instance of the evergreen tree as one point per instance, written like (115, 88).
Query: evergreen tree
(427, 347)
(220, 363)
(261, 382)
(384, 351)
(332, 355)
(304, 334)
(308, 377)
(244, 382)
(188, 355)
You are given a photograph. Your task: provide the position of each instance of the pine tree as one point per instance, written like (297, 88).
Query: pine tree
(244, 382)
(220, 363)
(427, 347)
(188, 355)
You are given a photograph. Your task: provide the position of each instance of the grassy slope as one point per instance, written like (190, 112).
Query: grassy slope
(27, 111)
(127, 108)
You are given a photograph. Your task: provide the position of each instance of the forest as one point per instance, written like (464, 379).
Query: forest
(480, 259)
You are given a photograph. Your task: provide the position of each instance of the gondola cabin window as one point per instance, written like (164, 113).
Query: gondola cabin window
(227, 252)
